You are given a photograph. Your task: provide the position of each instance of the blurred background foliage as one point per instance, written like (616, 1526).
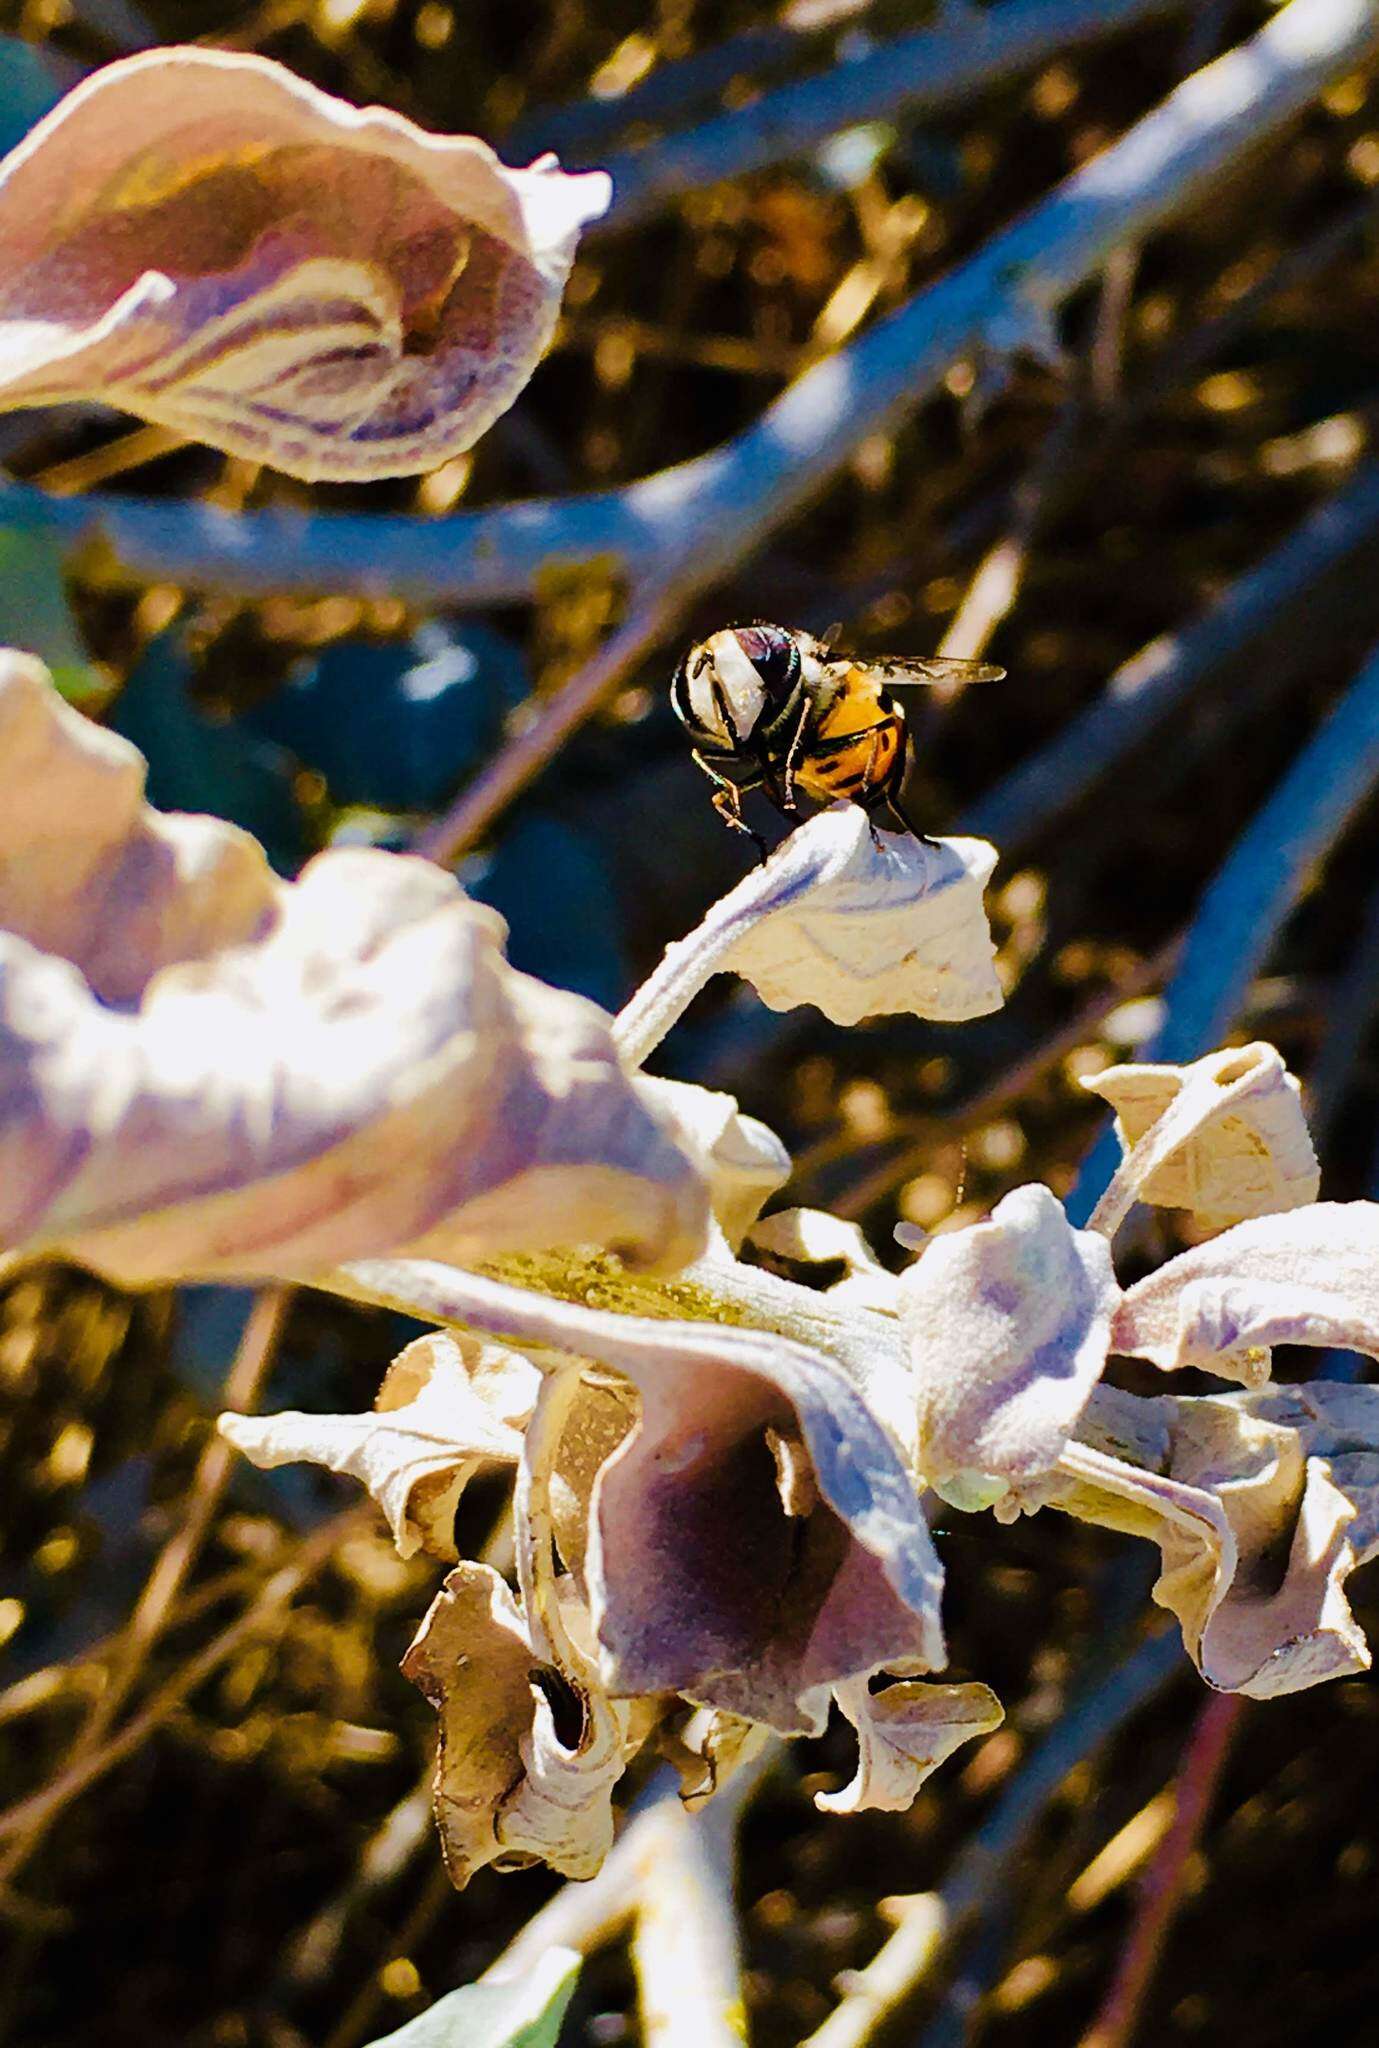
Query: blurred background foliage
(253, 1868)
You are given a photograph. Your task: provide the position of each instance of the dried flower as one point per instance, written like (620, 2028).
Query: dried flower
(207, 1072)
(904, 1732)
(205, 240)
(512, 1784)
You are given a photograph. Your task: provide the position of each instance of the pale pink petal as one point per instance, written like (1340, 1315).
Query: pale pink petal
(1007, 1324)
(1308, 1277)
(205, 240)
(295, 1074)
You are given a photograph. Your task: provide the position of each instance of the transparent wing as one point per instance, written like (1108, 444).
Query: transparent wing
(901, 671)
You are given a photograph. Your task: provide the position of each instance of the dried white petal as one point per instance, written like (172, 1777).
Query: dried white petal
(448, 1406)
(743, 1160)
(1310, 1276)
(903, 1734)
(858, 922)
(1238, 1145)
(1007, 1324)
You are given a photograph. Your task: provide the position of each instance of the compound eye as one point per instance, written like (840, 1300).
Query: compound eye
(774, 656)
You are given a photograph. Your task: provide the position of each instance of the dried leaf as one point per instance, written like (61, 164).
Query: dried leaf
(448, 1406)
(509, 1784)
(296, 1073)
(904, 1733)
(859, 922)
(1007, 1323)
(1307, 1277)
(1238, 1145)
(1262, 1504)
(201, 238)
(699, 1579)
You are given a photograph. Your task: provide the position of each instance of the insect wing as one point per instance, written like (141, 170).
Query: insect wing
(905, 671)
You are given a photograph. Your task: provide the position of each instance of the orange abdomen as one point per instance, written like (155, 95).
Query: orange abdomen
(857, 770)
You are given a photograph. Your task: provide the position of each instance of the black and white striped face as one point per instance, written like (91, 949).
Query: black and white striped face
(737, 681)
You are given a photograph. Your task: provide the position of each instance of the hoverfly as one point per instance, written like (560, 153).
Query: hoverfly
(775, 709)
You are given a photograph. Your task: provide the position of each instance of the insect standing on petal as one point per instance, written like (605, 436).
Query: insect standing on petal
(773, 708)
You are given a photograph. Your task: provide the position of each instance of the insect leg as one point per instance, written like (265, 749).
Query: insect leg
(892, 796)
(727, 801)
(793, 755)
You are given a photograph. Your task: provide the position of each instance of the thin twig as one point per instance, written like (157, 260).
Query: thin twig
(910, 75)
(995, 1096)
(475, 809)
(252, 1363)
(41, 1809)
(1161, 1894)
(700, 518)
(586, 1915)
(686, 1944)
(1146, 690)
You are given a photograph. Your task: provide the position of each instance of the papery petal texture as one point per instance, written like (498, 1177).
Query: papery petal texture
(904, 1732)
(205, 1072)
(205, 240)
(508, 1784)
(1239, 1146)
(1262, 1505)
(447, 1407)
(755, 1537)
(1007, 1324)
(1308, 1277)
(856, 921)
(743, 1160)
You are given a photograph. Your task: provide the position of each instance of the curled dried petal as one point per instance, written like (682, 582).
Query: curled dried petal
(201, 238)
(1262, 1505)
(296, 1073)
(511, 1782)
(448, 1406)
(858, 922)
(904, 1733)
(1237, 1145)
(1007, 1324)
(1308, 1277)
